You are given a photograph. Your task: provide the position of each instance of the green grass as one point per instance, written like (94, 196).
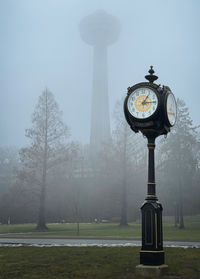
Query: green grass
(108, 230)
(190, 233)
(89, 262)
(70, 230)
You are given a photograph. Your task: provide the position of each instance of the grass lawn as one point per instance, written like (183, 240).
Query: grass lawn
(89, 262)
(108, 230)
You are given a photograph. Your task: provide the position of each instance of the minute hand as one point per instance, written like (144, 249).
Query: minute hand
(149, 102)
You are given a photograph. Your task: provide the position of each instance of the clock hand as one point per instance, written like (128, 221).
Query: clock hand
(143, 103)
(150, 102)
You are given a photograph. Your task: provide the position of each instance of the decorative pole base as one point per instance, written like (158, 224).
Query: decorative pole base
(152, 252)
(152, 258)
(146, 271)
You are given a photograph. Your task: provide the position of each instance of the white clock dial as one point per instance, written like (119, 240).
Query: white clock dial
(142, 103)
(171, 109)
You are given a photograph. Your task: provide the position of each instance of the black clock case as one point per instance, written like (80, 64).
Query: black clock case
(158, 121)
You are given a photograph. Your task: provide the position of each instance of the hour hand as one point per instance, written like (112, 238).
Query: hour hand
(144, 102)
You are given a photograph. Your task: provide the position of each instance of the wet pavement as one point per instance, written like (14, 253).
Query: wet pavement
(86, 242)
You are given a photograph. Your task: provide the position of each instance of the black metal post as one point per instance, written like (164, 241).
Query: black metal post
(151, 187)
(152, 237)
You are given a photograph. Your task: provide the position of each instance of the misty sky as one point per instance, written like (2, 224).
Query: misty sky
(40, 46)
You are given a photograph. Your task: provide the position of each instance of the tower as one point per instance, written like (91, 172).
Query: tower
(99, 30)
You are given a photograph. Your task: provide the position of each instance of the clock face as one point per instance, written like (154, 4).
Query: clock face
(142, 103)
(171, 109)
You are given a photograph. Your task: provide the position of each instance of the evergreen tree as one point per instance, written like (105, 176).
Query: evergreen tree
(179, 161)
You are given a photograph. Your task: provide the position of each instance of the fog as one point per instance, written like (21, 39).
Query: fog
(41, 47)
(52, 59)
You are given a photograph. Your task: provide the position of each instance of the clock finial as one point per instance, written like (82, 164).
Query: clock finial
(151, 78)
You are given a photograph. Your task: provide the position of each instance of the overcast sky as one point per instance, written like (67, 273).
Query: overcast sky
(40, 46)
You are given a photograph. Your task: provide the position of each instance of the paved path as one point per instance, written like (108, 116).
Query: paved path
(86, 242)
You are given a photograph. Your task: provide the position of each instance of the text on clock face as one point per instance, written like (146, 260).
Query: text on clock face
(142, 103)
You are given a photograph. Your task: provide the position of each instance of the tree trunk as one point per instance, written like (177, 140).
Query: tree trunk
(181, 219)
(77, 216)
(41, 218)
(176, 216)
(181, 224)
(123, 221)
(78, 227)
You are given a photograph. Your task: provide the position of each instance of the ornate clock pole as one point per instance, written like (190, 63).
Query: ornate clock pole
(151, 109)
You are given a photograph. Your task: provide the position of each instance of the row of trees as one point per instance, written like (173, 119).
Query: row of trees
(54, 180)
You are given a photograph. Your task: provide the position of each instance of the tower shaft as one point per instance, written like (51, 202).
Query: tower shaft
(100, 120)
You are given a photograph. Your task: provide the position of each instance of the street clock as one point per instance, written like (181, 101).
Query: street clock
(149, 107)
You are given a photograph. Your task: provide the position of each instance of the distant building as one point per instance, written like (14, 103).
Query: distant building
(99, 30)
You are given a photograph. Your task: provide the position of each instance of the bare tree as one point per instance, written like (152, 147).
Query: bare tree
(128, 150)
(47, 148)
